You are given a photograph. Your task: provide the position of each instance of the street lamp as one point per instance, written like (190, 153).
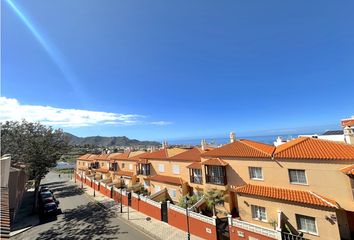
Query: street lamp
(94, 189)
(188, 233)
(121, 194)
(82, 184)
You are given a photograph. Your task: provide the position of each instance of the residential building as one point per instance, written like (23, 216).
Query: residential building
(299, 185)
(303, 186)
(158, 171)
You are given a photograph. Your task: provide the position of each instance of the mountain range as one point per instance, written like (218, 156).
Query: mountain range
(107, 141)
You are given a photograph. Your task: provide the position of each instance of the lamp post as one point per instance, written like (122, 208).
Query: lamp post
(188, 233)
(82, 184)
(121, 194)
(94, 189)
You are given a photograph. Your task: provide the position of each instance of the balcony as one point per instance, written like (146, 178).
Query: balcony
(113, 169)
(196, 179)
(145, 172)
(217, 180)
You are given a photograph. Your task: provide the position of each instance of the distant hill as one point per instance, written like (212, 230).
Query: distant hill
(107, 141)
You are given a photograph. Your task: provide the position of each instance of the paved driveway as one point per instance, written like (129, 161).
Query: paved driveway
(81, 218)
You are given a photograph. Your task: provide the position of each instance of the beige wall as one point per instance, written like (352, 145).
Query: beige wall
(323, 177)
(183, 170)
(126, 166)
(179, 190)
(325, 229)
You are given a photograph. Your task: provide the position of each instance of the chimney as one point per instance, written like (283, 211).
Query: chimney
(232, 137)
(349, 135)
(152, 148)
(164, 145)
(203, 144)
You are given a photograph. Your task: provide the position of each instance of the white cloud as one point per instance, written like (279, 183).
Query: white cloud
(13, 110)
(161, 123)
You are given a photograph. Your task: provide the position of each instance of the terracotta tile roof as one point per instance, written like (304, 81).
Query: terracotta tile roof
(189, 155)
(195, 165)
(312, 148)
(127, 156)
(87, 157)
(103, 157)
(242, 148)
(167, 179)
(124, 173)
(215, 162)
(348, 122)
(164, 153)
(4, 214)
(102, 170)
(298, 196)
(138, 157)
(143, 161)
(348, 170)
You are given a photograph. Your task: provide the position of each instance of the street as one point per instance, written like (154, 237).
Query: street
(81, 217)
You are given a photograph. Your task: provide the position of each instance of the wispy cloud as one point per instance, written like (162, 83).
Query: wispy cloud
(12, 110)
(161, 123)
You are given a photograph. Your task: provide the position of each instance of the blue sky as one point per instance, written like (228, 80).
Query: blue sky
(178, 69)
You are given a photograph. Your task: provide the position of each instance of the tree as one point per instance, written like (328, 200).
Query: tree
(191, 200)
(214, 197)
(38, 146)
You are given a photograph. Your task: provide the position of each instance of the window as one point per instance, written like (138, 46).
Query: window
(256, 173)
(130, 166)
(161, 168)
(146, 183)
(102, 164)
(297, 176)
(172, 193)
(196, 176)
(123, 165)
(259, 213)
(306, 224)
(157, 188)
(175, 169)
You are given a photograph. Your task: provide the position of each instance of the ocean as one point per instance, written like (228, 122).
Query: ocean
(268, 139)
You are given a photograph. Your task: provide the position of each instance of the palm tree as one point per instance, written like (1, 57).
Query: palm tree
(214, 197)
(190, 202)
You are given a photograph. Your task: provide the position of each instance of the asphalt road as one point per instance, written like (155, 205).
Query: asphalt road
(81, 217)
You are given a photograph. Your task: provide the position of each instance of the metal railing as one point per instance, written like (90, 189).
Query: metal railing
(143, 172)
(289, 236)
(216, 180)
(196, 179)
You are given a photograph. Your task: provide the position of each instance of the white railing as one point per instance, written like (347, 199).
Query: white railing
(149, 201)
(176, 208)
(256, 229)
(202, 218)
(192, 214)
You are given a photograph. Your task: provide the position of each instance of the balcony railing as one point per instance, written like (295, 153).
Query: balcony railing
(196, 179)
(217, 180)
(144, 172)
(114, 169)
(289, 236)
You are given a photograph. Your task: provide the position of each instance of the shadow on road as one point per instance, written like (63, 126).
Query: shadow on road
(84, 222)
(67, 191)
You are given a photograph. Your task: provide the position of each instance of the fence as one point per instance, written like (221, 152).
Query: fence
(199, 225)
(244, 230)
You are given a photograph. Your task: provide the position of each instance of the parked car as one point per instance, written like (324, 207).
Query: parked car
(47, 197)
(45, 189)
(48, 209)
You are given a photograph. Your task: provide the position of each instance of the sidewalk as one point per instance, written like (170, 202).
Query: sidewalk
(152, 227)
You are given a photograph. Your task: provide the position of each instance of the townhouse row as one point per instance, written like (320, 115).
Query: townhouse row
(304, 186)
